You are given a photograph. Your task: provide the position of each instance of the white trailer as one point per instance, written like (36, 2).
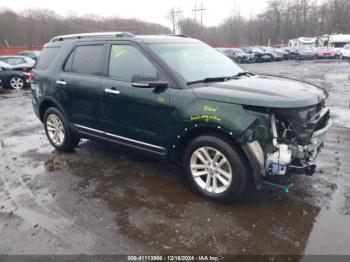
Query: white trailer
(338, 41)
(302, 41)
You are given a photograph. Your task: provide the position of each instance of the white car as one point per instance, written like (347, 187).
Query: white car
(345, 52)
(23, 63)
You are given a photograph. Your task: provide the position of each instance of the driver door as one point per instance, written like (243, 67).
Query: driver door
(134, 114)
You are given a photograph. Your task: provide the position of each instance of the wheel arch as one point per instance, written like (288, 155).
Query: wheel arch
(188, 134)
(46, 103)
(184, 137)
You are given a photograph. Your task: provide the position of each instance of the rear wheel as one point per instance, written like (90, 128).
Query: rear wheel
(16, 82)
(215, 168)
(58, 131)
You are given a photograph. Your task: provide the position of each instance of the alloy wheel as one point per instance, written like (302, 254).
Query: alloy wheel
(211, 170)
(16, 82)
(55, 129)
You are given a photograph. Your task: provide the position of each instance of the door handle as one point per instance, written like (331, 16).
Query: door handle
(61, 82)
(112, 91)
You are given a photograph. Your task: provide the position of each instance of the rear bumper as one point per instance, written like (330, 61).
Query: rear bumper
(325, 56)
(35, 108)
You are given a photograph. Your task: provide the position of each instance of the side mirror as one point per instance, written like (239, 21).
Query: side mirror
(147, 80)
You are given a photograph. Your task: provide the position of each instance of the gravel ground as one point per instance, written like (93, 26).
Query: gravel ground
(101, 200)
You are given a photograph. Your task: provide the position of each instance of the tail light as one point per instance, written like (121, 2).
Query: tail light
(30, 75)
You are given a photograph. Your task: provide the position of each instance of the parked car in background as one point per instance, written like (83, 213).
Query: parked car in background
(247, 58)
(32, 54)
(301, 53)
(345, 52)
(230, 53)
(282, 52)
(22, 63)
(265, 52)
(10, 78)
(259, 55)
(324, 52)
(238, 55)
(269, 50)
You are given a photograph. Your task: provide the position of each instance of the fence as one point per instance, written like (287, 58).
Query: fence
(16, 50)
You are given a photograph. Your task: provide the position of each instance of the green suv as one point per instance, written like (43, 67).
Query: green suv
(177, 99)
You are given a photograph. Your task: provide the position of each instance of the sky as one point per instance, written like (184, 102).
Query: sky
(148, 10)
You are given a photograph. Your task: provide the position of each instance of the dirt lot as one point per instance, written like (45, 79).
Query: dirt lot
(100, 200)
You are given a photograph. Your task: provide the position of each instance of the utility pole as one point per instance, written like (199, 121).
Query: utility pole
(195, 10)
(175, 14)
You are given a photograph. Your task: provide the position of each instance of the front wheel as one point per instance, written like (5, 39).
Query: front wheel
(16, 82)
(215, 168)
(58, 131)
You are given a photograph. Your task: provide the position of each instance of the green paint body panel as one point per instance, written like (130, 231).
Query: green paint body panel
(263, 91)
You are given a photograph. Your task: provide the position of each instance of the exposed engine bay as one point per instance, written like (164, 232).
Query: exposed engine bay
(295, 137)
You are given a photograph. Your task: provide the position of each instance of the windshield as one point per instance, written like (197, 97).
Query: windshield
(196, 61)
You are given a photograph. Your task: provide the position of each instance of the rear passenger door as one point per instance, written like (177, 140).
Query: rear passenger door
(80, 85)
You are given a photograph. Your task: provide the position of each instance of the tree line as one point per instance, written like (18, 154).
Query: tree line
(280, 21)
(35, 27)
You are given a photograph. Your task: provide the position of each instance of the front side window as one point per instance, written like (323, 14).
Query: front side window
(126, 61)
(196, 61)
(86, 60)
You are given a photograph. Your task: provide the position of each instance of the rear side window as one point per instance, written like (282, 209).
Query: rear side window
(85, 60)
(46, 57)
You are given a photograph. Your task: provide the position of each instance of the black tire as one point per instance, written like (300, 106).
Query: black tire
(70, 140)
(241, 171)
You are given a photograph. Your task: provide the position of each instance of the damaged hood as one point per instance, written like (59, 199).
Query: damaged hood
(261, 90)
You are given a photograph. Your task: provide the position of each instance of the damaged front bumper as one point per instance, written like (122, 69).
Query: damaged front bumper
(273, 169)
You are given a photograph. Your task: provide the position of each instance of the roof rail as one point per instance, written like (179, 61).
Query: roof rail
(179, 35)
(91, 35)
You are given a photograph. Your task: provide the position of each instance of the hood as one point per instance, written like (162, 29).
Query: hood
(260, 90)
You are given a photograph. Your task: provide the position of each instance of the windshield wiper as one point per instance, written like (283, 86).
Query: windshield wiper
(210, 79)
(220, 78)
(243, 73)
